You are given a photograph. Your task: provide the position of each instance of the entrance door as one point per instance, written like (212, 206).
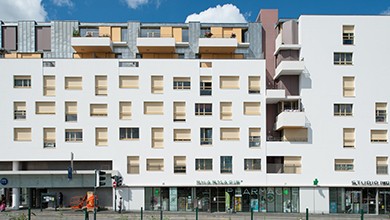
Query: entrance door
(384, 202)
(352, 201)
(217, 199)
(369, 200)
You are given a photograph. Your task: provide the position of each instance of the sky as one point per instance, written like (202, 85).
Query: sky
(180, 10)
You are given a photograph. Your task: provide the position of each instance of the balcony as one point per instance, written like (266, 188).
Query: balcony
(284, 168)
(290, 119)
(217, 45)
(289, 67)
(156, 45)
(280, 45)
(91, 44)
(275, 95)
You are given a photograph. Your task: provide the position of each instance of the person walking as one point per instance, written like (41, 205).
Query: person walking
(61, 200)
(2, 203)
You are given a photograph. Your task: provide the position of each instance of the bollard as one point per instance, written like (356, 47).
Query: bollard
(196, 213)
(307, 213)
(361, 214)
(142, 213)
(86, 216)
(161, 214)
(29, 213)
(251, 213)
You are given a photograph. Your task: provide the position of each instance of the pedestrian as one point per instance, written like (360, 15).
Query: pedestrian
(61, 199)
(2, 203)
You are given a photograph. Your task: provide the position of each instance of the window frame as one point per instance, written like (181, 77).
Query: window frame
(73, 135)
(342, 109)
(203, 109)
(204, 164)
(129, 133)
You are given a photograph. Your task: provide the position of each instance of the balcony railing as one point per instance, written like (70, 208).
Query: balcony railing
(381, 169)
(19, 114)
(49, 144)
(206, 141)
(283, 168)
(254, 141)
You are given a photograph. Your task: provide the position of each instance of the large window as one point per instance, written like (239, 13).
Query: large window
(342, 58)
(343, 164)
(342, 109)
(348, 34)
(22, 81)
(133, 164)
(226, 164)
(128, 133)
(252, 164)
(381, 112)
(73, 135)
(206, 136)
(181, 83)
(203, 109)
(203, 164)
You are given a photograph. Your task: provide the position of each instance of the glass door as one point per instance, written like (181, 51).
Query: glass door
(369, 200)
(384, 202)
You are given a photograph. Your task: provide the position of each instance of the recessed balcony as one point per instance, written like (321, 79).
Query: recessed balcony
(289, 67)
(280, 45)
(217, 45)
(91, 44)
(290, 119)
(275, 95)
(156, 45)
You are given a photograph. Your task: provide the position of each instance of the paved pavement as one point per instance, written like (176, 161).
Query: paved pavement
(67, 214)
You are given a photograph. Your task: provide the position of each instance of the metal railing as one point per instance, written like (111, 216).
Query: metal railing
(19, 114)
(206, 141)
(49, 144)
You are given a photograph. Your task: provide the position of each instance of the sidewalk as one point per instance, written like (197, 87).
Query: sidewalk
(67, 214)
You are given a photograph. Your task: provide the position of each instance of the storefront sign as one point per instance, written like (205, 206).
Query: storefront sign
(370, 183)
(218, 182)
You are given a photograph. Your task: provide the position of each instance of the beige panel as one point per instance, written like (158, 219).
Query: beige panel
(379, 135)
(49, 134)
(343, 161)
(165, 31)
(238, 33)
(98, 109)
(381, 160)
(349, 137)
(229, 82)
(157, 137)
(251, 108)
(226, 110)
(295, 134)
(104, 31)
(11, 55)
(177, 34)
(128, 82)
(182, 134)
(125, 110)
(22, 77)
(381, 106)
(230, 133)
(100, 85)
(157, 84)
(179, 111)
(133, 164)
(19, 106)
(71, 108)
(29, 55)
(49, 85)
(153, 108)
(254, 83)
(116, 34)
(45, 107)
(206, 64)
(181, 79)
(22, 134)
(179, 161)
(227, 32)
(206, 79)
(292, 160)
(155, 164)
(75, 83)
(348, 28)
(254, 132)
(101, 136)
(217, 32)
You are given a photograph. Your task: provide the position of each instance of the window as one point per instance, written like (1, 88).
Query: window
(45, 108)
(73, 83)
(22, 81)
(349, 137)
(226, 164)
(128, 82)
(125, 110)
(101, 85)
(230, 134)
(205, 85)
(204, 164)
(288, 164)
(348, 34)
(379, 136)
(381, 112)
(49, 63)
(381, 165)
(179, 111)
(181, 135)
(19, 110)
(342, 109)
(153, 108)
(133, 164)
(128, 63)
(49, 137)
(252, 164)
(206, 136)
(49, 85)
(203, 109)
(254, 137)
(253, 84)
(181, 83)
(342, 58)
(229, 82)
(226, 110)
(348, 86)
(179, 164)
(157, 86)
(10, 38)
(71, 111)
(157, 137)
(73, 135)
(343, 164)
(251, 108)
(98, 110)
(22, 134)
(206, 64)
(155, 164)
(128, 133)
(101, 136)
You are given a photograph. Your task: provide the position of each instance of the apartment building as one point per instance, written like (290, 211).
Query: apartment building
(275, 115)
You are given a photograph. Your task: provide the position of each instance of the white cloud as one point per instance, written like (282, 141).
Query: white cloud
(386, 12)
(135, 3)
(13, 10)
(227, 13)
(60, 3)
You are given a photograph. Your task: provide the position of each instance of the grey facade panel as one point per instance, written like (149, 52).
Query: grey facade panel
(10, 41)
(43, 38)
(61, 34)
(193, 38)
(1, 34)
(255, 40)
(133, 29)
(26, 36)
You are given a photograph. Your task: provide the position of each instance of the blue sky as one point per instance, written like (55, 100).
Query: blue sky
(176, 10)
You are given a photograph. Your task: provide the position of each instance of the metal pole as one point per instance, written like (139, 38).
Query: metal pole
(161, 214)
(196, 213)
(86, 217)
(307, 213)
(94, 197)
(361, 214)
(115, 200)
(29, 213)
(142, 213)
(251, 213)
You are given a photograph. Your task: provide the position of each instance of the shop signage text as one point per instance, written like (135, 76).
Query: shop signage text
(370, 183)
(218, 182)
